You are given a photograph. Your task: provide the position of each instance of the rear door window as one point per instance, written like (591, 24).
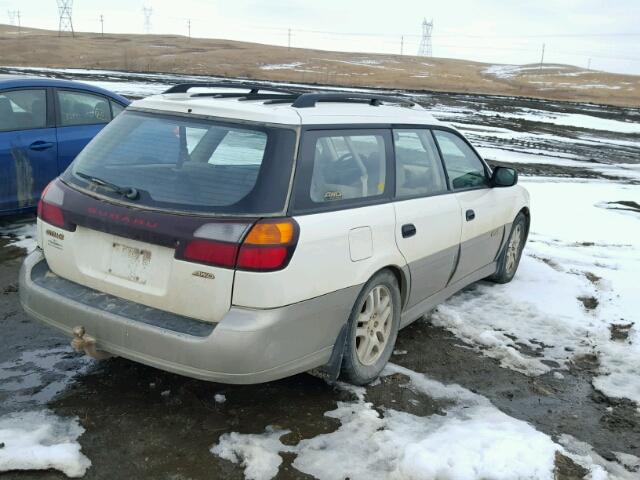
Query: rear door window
(418, 167)
(191, 164)
(23, 109)
(79, 108)
(349, 167)
(464, 167)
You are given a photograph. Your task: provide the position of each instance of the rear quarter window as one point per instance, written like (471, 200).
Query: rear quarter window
(339, 169)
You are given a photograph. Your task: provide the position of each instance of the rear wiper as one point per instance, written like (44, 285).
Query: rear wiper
(129, 192)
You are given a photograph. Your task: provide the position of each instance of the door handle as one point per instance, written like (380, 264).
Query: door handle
(470, 215)
(40, 145)
(408, 230)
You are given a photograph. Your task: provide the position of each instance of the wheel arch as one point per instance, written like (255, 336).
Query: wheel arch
(331, 370)
(404, 281)
(527, 213)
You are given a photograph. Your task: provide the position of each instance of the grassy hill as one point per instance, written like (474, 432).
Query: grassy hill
(177, 54)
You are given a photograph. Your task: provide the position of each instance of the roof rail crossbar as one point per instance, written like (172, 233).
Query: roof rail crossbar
(252, 87)
(307, 100)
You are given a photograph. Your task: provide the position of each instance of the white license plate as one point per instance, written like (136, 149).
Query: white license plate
(130, 263)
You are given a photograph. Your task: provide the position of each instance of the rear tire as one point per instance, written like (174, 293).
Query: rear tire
(372, 329)
(510, 258)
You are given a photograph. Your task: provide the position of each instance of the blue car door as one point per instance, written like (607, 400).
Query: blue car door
(81, 115)
(28, 148)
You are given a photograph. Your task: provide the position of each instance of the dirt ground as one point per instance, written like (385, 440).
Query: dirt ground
(135, 429)
(177, 54)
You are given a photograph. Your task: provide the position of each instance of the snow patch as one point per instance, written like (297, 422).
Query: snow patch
(39, 441)
(20, 234)
(258, 453)
(472, 440)
(566, 259)
(510, 71)
(599, 469)
(282, 66)
(578, 120)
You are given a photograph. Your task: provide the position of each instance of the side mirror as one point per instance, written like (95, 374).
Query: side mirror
(504, 177)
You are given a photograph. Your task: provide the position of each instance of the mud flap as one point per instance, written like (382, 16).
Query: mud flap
(331, 370)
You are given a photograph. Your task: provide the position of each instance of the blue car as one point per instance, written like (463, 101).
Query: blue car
(44, 124)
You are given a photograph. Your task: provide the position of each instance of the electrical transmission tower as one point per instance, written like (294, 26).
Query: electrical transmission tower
(425, 49)
(14, 19)
(147, 11)
(65, 9)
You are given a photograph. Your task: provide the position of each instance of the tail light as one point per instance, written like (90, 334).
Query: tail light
(50, 207)
(268, 245)
(210, 252)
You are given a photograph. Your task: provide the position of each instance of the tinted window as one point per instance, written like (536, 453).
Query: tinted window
(82, 108)
(191, 164)
(23, 110)
(418, 166)
(116, 109)
(347, 167)
(464, 168)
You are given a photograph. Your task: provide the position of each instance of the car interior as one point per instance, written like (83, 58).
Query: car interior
(347, 167)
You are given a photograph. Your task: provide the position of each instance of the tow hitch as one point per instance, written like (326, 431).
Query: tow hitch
(86, 343)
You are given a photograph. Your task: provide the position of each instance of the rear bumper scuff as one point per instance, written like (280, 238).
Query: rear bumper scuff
(246, 346)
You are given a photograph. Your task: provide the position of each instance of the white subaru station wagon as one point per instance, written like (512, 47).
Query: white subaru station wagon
(240, 233)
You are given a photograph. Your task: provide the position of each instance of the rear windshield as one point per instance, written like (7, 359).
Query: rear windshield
(189, 164)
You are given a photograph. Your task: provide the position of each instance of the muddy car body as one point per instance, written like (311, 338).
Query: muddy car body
(242, 237)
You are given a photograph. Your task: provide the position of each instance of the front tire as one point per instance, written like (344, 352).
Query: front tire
(372, 329)
(510, 258)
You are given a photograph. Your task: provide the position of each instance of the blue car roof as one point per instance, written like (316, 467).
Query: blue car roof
(18, 81)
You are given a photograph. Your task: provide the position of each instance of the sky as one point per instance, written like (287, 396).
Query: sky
(604, 34)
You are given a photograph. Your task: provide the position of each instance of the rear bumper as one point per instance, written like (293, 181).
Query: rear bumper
(246, 346)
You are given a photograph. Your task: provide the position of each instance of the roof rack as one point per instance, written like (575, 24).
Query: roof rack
(299, 97)
(253, 88)
(307, 100)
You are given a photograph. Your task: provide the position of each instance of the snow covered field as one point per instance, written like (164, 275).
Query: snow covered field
(575, 297)
(575, 287)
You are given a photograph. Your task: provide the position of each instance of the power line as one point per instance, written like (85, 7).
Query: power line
(65, 24)
(461, 35)
(102, 25)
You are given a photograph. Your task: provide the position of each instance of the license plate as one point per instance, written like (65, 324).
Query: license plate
(130, 263)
